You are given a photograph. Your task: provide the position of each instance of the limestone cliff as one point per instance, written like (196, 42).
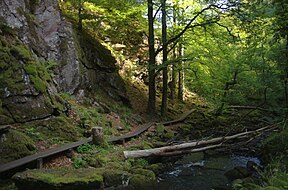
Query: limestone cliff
(41, 55)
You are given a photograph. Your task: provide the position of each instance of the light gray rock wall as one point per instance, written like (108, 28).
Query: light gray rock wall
(48, 34)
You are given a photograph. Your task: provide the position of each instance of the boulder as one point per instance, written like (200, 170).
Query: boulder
(59, 179)
(237, 172)
(14, 145)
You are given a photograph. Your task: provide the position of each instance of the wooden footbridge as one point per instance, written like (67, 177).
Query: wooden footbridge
(54, 151)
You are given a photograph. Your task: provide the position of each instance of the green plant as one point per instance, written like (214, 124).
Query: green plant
(273, 177)
(141, 163)
(33, 133)
(85, 148)
(79, 163)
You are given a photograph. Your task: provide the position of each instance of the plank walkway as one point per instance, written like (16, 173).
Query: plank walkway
(50, 152)
(181, 118)
(134, 133)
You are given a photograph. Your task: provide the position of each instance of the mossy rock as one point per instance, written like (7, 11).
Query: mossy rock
(113, 177)
(157, 168)
(148, 173)
(63, 128)
(61, 178)
(55, 130)
(10, 69)
(15, 145)
(96, 161)
(142, 181)
(27, 79)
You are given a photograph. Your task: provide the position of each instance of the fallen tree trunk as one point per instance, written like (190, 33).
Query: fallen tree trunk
(180, 148)
(186, 151)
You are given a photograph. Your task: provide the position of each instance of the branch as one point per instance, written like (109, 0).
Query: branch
(157, 12)
(174, 45)
(162, 66)
(186, 27)
(228, 30)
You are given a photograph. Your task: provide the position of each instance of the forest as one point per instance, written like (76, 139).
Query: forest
(135, 94)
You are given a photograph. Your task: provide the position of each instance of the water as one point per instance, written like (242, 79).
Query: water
(193, 172)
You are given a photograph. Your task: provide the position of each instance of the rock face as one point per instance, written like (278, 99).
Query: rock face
(48, 35)
(78, 62)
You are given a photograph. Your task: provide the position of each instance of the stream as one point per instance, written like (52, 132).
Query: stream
(194, 172)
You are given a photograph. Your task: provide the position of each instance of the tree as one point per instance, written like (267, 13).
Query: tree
(172, 83)
(212, 16)
(164, 61)
(151, 65)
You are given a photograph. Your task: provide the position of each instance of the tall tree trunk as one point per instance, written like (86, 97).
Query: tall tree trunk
(165, 54)
(286, 79)
(181, 71)
(151, 109)
(181, 62)
(172, 84)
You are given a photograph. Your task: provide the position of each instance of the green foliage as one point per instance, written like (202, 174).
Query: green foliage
(21, 52)
(102, 18)
(276, 144)
(32, 132)
(85, 148)
(140, 163)
(213, 59)
(274, 176)
(79, 163)
(7, 185)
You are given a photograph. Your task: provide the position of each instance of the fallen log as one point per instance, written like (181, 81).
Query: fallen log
(187, 151)
(180, 148)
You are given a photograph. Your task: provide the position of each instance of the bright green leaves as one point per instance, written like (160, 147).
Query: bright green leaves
(111, 21)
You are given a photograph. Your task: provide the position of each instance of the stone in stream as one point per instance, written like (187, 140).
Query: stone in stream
(240, 172)
(237, 172)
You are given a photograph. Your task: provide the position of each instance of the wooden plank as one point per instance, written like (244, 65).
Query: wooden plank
(181, 118)
(44, 154)
(134, 133)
